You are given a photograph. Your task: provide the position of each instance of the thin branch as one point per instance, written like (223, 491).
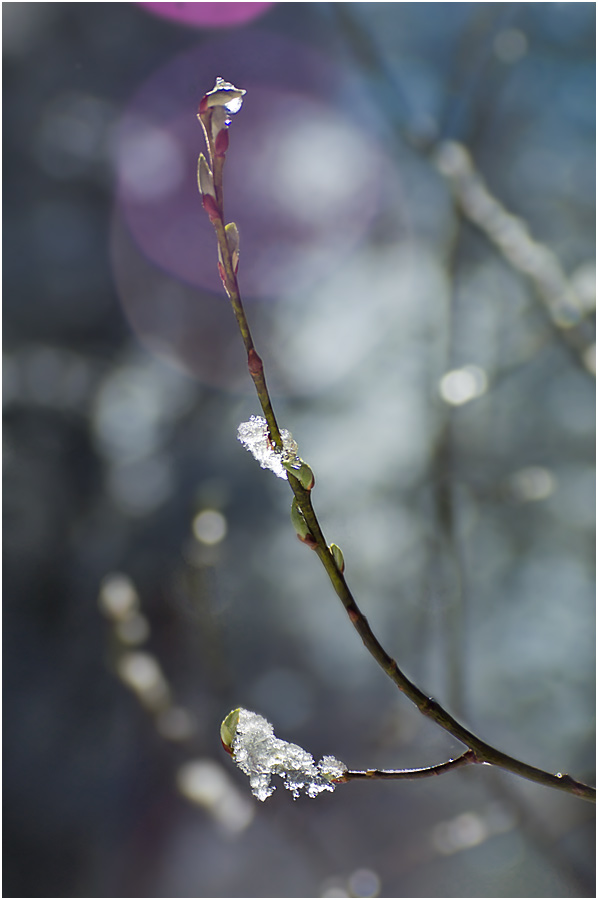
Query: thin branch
(479, 751)
(409, 774)
(254, 363)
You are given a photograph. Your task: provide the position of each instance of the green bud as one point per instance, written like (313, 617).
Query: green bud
(232, 236)
(232, 239)
(205, 181)
(337, 555)
(302, 473)
(228, 730)
(299, 523)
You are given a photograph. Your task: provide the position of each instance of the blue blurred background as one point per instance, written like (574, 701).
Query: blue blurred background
(414, 185)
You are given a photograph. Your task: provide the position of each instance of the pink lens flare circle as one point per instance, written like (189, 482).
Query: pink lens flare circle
(304, 179)
(302, 183)
(209, 15)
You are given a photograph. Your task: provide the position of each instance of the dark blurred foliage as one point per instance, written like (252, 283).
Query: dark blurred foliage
(439, 383)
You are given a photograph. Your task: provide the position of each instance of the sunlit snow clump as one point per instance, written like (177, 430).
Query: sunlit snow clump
(255, 438)
(260, 754)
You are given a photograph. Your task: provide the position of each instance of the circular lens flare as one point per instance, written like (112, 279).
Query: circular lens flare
(304, 181)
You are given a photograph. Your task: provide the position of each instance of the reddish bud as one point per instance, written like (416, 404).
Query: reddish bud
(203, 105)
(342, 779)
(211, 207)
(221, 142)
(254, 362)
(309, 540)
(222, 273)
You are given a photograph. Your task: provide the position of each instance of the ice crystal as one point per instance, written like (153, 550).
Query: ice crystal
(226, 95)
(255, 437)
(260, 754)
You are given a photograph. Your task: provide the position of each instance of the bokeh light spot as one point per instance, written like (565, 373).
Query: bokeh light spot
(461, 833)
(532, 483)
(364, 883)
(510, 45)
(459, 386)
(118, 598)
(141, 673)
(209, 527)
(150, 162)
(133, 630)
(204, 782)
(315, 167)
(333, 887)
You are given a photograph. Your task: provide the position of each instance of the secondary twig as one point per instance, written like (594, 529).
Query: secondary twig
(410, 774)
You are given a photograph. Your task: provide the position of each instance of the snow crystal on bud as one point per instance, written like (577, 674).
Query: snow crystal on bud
(260, 754)
(227, 95)
(255, 437)
(331, 768)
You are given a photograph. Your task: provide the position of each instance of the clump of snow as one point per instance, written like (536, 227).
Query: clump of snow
(260, 754)
(255, 437)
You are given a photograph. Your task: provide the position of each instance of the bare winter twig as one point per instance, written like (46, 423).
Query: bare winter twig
(215, 110)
